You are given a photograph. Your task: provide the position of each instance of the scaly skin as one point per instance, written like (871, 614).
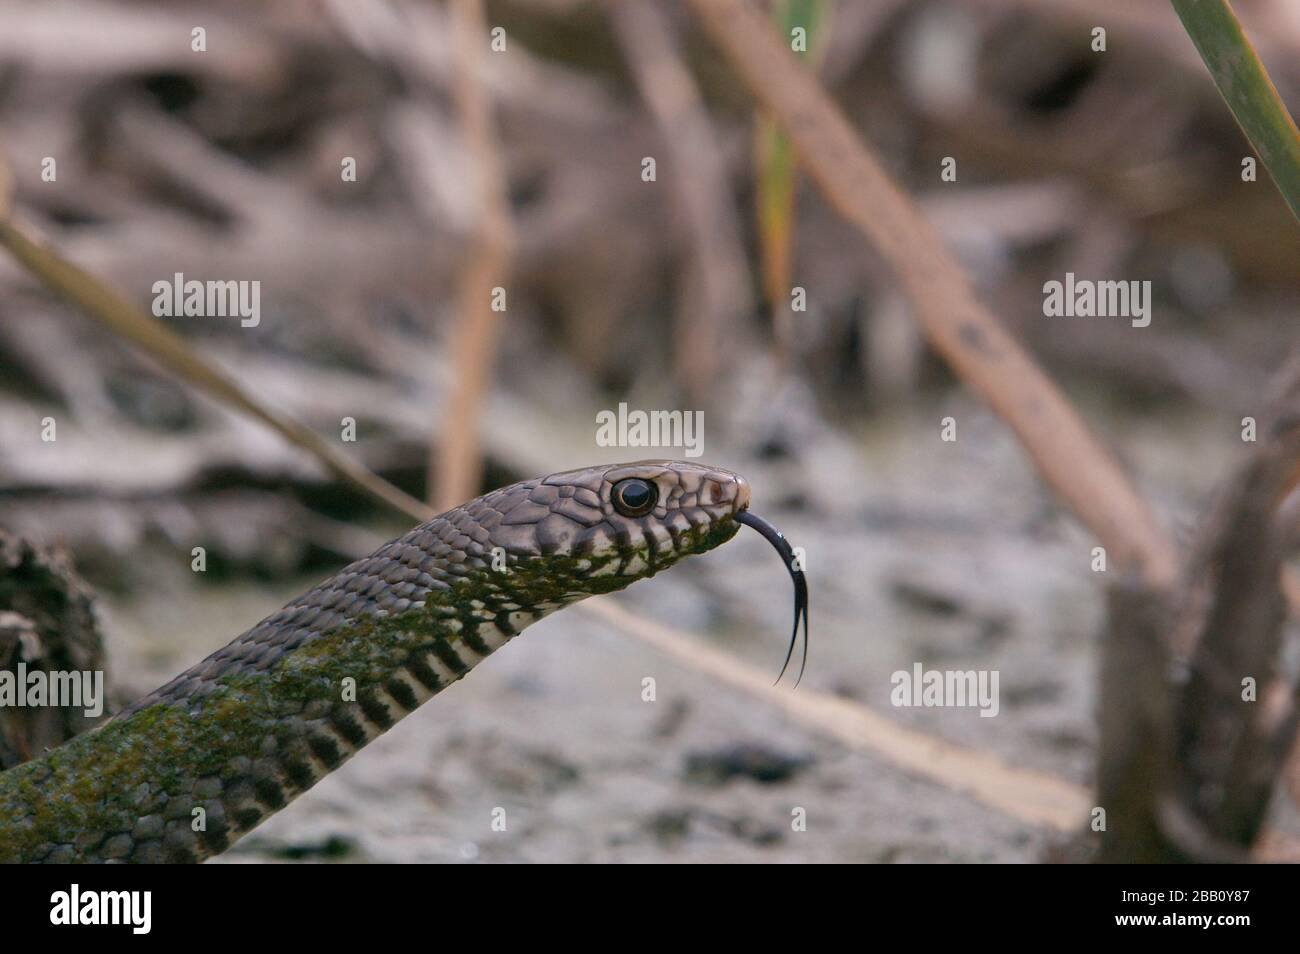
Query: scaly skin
(192, 767)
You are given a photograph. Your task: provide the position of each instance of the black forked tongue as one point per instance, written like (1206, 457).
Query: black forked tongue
(778, 540)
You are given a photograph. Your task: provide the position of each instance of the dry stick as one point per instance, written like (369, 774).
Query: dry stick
(456, 467)
(1034, 798)
(717, 267)
(957, 325)
(109, 308)
(6, 187)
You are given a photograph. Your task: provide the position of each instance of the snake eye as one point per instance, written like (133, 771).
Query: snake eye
(635, 497)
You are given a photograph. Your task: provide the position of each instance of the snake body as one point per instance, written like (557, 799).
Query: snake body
(184, 772)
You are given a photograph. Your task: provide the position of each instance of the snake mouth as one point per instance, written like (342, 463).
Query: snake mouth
(782, 545)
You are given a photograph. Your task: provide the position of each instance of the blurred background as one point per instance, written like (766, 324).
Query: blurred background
(675, 293)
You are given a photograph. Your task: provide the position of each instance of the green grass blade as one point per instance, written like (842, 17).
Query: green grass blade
(1246, 88)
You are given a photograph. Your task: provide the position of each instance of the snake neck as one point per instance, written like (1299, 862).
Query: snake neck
(180, 778)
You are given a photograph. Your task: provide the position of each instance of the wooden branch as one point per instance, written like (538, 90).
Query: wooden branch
(718, 276)
(457, 464)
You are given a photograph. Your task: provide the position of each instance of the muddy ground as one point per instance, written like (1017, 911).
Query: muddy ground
(951, 555)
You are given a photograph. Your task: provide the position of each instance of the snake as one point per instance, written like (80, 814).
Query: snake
(183, 773)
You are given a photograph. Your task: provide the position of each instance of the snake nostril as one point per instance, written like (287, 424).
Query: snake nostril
(741, 499)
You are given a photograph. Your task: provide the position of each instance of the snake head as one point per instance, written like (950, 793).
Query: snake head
(619, 522)
(599, 529)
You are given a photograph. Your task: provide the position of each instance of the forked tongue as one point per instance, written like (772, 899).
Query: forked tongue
(778, 540)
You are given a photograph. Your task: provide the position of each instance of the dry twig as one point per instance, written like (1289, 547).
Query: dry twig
(718, 277)
(457, 465)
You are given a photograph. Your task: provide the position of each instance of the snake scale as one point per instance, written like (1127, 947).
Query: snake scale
(184, 772)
